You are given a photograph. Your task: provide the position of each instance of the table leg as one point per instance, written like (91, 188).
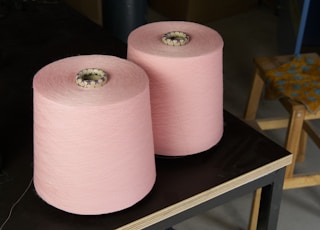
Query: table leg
(270, 203)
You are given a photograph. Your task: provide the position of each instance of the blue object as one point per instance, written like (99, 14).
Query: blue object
(302, 26)
(120, 17)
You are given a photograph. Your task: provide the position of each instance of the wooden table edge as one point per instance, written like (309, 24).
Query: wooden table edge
(207, 195)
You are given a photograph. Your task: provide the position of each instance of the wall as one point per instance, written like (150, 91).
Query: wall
(201, 11)
(92, 9)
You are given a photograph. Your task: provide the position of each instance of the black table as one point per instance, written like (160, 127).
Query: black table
(241, 162)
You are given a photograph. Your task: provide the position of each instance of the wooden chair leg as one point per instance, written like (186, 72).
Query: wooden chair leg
(255, 210)
(302, 146)
(293, 135)
(254, 97)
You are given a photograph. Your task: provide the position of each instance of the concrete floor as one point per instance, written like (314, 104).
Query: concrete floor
(247, 35)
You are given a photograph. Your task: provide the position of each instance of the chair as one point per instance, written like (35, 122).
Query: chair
(297, 123)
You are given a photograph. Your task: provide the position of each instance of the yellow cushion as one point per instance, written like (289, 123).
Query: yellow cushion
(298, 79)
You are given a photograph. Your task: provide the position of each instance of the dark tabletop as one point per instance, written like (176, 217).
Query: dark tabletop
(241, 150)
(41, 33)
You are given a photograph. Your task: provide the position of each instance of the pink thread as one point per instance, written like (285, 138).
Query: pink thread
(93, 147)
(186, 85)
